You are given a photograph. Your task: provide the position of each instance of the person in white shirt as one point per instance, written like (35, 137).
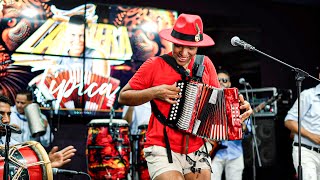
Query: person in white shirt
(137, 116)
(57, 158)
(18, 119)
(5, 119)
(310, 132)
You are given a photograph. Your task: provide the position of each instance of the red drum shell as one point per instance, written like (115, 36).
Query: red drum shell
(108, 149)
(26, 154)
(142, 165)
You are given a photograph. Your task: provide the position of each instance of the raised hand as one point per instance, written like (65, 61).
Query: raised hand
(62, 157)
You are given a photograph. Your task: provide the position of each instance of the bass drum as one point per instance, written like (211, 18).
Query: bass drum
(27, 161)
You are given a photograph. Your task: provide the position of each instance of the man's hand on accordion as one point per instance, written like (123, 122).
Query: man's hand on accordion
(168, 93)
(244, 105)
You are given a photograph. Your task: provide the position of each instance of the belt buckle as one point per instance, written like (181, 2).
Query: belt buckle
(316, 149)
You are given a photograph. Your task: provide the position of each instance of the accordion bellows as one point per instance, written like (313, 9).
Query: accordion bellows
(206, 111)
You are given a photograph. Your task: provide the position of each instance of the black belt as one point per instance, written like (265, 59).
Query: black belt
(308, 147)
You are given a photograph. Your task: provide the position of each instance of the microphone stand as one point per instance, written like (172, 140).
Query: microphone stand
(300, 76)
(253, 141)
(51, 123)
(6, 153)
(50, 120)
(8, 130)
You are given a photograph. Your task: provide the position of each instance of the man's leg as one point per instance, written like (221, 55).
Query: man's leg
(158, 165)
(217, 165)
(309, 161)
(234, 169)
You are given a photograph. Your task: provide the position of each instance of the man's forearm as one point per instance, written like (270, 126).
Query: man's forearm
(293, 127)
(136, 97)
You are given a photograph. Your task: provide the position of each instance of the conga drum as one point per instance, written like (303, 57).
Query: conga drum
(27, 161)
(108, 149)
(142, 163)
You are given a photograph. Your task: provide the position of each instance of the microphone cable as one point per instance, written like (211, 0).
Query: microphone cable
(89, 177)
(70, 175)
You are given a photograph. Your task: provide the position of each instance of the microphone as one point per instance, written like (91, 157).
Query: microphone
(12, 128)
(56, 171)
(243, 81)
(236, 41)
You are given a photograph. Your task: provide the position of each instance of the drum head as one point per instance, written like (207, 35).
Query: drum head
(107, 122)
(43, 156)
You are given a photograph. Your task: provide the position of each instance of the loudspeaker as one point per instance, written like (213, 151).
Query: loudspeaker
(275, 147)
(266, 142)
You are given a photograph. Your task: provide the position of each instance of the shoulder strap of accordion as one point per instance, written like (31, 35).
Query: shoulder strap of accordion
(162, 119)
(172, 62)
(159, 115)
(198, 68)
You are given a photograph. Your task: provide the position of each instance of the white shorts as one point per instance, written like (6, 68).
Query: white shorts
(157, 160)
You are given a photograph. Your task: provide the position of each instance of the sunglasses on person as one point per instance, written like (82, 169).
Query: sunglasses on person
(224, 80)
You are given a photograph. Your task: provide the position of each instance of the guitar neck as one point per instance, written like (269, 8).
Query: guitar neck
(263, 104)
(259, 107)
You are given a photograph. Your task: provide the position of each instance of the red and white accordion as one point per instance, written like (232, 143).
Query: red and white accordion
(206, 111)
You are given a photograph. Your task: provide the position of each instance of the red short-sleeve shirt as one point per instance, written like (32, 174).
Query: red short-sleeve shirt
(155, 71)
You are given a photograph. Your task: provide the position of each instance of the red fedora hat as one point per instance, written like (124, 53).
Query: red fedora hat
(188, 31)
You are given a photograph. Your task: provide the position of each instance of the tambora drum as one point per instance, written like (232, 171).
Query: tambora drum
(27, 161)
(108, 149)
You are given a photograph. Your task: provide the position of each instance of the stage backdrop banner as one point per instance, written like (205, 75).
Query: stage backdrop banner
(76, 60)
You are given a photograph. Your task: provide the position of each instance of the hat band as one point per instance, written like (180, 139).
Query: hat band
(186, 37)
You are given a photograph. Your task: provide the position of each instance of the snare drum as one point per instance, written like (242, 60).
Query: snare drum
(27, 161)
(108, 149)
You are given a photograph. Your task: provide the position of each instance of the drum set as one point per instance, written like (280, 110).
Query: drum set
(113, 153)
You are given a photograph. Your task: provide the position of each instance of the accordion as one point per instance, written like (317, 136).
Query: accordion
(207, 112)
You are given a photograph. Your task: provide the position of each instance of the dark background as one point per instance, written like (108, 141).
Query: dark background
(285, 29)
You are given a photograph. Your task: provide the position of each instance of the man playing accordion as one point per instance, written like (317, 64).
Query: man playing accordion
(171, 153)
